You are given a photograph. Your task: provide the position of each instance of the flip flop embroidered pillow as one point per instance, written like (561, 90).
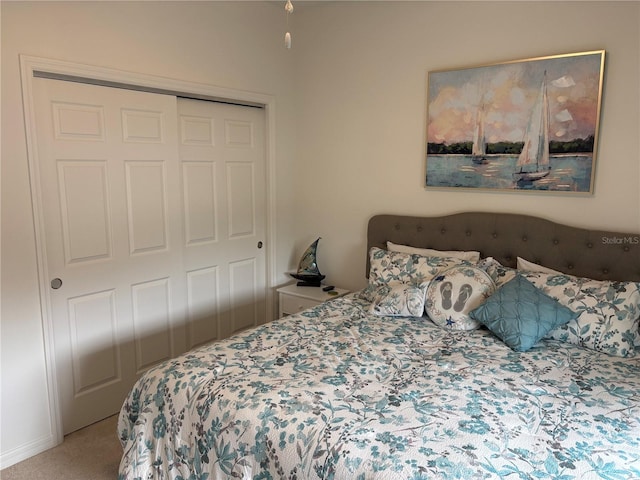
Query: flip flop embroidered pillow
(454, 293)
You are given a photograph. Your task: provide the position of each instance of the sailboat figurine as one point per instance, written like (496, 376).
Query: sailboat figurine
(533, 162)
(308, 274)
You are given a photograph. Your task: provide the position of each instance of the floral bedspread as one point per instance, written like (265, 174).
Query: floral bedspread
(337, 393)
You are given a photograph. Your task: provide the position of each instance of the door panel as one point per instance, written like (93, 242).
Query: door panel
(104, 159)
(203, 305)
(85, 211)
(200, 214)
(142, 126)
(151, 322)
(240, 201)
(222, 151)
(93, 331)
(79, 122)
(243, 277)
(146, 206)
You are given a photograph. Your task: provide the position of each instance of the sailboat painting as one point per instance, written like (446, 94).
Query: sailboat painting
(524, 125)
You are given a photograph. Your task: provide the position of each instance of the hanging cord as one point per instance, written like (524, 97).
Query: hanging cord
(288, 7)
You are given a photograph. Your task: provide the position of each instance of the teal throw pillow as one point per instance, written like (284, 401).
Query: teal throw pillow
(520, 314)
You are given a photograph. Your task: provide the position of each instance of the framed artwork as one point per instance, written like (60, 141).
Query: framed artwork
(516, 126)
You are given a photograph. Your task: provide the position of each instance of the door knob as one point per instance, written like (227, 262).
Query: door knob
(56, 283)
(259, 244)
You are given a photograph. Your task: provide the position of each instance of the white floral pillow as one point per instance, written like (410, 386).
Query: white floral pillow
(403, 300)
(454, 293)
(608, 311)
(394, 268)
(470, 256)
(498, 272)
(527, 266)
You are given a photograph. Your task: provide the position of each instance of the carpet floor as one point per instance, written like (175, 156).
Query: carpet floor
(92, 453)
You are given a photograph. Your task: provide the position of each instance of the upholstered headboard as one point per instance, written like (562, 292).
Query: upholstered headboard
(597, 254)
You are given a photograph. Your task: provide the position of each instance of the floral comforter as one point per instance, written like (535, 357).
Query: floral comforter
(337, 393)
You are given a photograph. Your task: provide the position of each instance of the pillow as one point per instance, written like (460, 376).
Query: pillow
(498, 272)
(403, 300)
(469, 256)
(393, 268)
(520, 314)
(454, 293)
(527, 266)
(608, 311)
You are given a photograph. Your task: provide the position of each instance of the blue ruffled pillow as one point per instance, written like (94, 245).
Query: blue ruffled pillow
(520, 314)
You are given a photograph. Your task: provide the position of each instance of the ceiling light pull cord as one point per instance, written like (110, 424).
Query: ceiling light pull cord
(288, 7)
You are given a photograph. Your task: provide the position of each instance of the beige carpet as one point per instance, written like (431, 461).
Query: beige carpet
(92, 453)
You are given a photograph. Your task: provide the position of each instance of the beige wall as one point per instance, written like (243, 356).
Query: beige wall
(361, 72)
(350, 98)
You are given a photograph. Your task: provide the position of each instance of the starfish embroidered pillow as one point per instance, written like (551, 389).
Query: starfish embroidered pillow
(452, 294)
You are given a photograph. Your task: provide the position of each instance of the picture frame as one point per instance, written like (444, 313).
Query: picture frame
(522, 125)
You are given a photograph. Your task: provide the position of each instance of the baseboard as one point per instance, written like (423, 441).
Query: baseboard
(22, 452)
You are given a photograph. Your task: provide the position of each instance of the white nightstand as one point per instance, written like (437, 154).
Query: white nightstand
(293, 299)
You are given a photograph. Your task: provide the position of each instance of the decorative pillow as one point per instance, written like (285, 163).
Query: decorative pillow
(470, 256)
(608, 311)
(527, 266)
(520, 314)
(394, 268)
(498, 272)
(403, 300)
(454, 293)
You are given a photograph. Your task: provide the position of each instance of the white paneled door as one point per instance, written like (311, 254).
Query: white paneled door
(153, 211)
(223, 184)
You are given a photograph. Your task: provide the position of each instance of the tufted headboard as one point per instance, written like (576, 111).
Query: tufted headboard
(596, 254)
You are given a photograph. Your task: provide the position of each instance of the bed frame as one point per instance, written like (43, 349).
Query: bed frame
(597, 254)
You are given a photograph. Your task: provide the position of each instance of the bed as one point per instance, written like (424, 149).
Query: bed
(369, 386)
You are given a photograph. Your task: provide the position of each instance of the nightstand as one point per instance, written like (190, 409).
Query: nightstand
(293, 299)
